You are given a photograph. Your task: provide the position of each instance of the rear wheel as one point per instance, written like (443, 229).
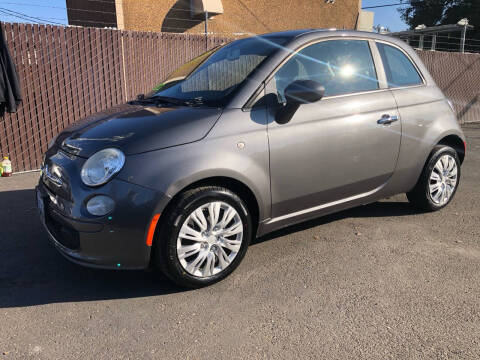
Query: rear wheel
(439, 180)
(204, 236)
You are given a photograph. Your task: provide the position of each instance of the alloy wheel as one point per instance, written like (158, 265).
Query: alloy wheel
(209, 239)
(443, 179)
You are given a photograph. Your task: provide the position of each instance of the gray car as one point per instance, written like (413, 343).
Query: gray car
(250, 137)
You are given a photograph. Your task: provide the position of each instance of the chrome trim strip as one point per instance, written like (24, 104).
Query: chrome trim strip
(323, 206)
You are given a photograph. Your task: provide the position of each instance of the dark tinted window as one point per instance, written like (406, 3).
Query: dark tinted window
(341, 66)
(399, 69)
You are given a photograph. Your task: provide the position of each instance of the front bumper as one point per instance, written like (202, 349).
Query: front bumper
(114, 241)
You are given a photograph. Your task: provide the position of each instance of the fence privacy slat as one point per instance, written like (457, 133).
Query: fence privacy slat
(109, 70)
(53, 83)
(30, 73)
(67, 73)
(32, 79)
(58, 69)
(81, 73)
(117, 68)
(72, 80)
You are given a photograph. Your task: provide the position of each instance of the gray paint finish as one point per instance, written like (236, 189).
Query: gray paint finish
(170, 170)
(332, 149)
(136, 129)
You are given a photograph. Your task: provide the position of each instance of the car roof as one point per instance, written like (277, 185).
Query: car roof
(288, 33)
(293, 34)
(297, 37)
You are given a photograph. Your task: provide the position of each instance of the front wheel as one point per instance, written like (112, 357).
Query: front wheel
(204, 236)
(439, 180)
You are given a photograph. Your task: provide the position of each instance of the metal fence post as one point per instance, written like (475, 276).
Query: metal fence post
(124, 68)
(206, 30)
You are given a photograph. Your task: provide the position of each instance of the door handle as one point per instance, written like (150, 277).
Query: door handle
(387, 119)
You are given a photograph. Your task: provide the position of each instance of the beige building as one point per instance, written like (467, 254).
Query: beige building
(223, 16)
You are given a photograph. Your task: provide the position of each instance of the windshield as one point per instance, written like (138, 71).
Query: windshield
(212, 77)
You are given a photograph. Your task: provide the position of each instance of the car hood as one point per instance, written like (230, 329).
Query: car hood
(137, 128)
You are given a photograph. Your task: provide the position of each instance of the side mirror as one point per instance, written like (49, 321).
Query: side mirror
(297, 93)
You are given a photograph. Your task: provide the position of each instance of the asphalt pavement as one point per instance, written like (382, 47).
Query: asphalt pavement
(381, 281)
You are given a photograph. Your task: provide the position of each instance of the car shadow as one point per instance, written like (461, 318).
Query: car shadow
(32, 272)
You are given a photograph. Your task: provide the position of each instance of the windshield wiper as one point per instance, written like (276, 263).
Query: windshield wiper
(167, 99)
(156, 100)
(171, 100)
(194, 102)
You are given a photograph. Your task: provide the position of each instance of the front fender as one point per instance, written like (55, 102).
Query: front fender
(219, 155)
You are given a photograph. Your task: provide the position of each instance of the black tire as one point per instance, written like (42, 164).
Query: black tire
(420, 196)
(165, 246)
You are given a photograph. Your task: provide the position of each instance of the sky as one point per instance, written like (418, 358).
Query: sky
(48, 10)
(55, 11)
(386, 16)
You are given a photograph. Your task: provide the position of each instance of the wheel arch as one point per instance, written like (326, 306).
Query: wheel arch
(455, 142)
(230, 183)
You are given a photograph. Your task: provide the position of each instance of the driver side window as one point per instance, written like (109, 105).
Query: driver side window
(341, 66)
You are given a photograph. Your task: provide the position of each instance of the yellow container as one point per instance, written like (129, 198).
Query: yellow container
(6, 167)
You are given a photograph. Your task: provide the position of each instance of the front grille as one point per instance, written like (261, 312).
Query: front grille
(64, 234)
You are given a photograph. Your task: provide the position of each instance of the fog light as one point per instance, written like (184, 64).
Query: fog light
(100, 205)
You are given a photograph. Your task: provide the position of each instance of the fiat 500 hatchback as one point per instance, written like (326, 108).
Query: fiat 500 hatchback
(247, 138)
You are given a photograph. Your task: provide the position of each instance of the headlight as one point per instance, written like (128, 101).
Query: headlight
(101, 166)
(100, 205)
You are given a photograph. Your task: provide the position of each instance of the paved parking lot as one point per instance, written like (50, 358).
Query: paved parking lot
(376, 282)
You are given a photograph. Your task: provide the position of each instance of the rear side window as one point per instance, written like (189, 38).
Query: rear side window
(399, 69)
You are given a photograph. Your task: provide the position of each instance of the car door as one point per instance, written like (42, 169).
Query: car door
(341, 148)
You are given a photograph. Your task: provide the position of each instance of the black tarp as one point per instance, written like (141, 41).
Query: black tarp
(10, 95)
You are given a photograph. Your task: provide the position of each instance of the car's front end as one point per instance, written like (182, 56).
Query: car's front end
(95, 212)
(99, 226)
(106, 180)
